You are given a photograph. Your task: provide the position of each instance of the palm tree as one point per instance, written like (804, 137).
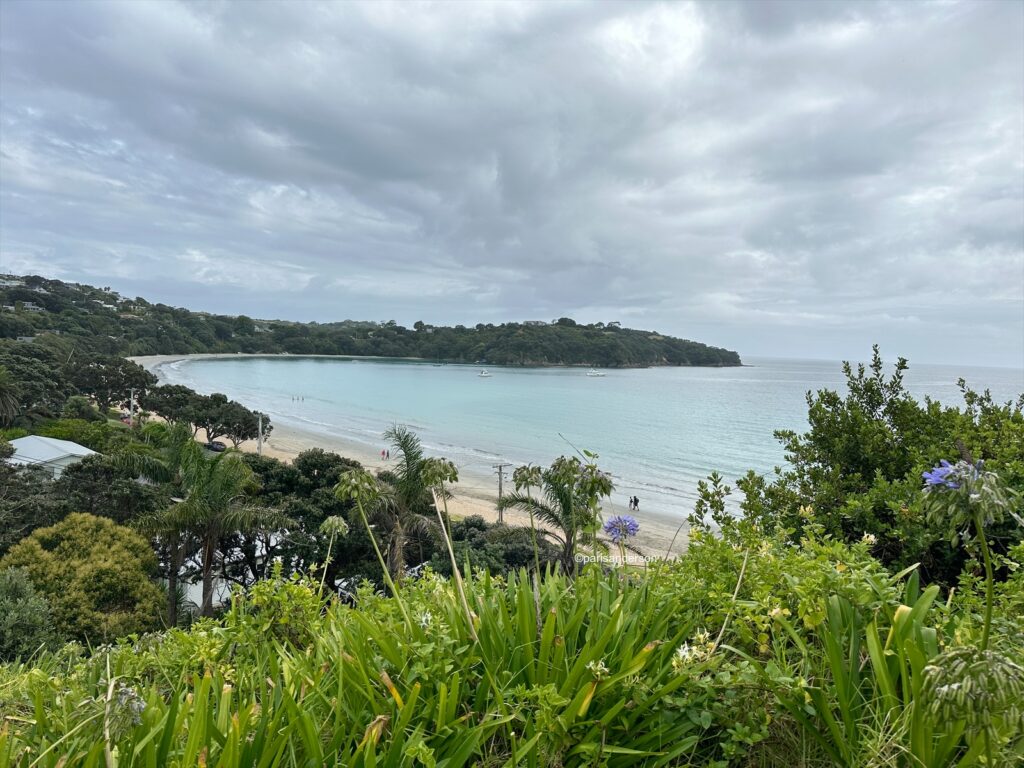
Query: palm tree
(406, 501)
(214, 502)
(525, 478)
(10, 405)
(217, 504)
(165, 450)
(566, 504)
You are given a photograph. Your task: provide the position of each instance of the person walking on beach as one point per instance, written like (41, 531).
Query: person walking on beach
(636, 503)
(382, 454)
(389, 454)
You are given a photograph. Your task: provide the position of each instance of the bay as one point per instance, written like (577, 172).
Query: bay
(657, 430)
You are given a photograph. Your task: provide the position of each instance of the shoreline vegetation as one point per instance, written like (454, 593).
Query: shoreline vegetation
(474, 494)
(863, 607)
(113, 324)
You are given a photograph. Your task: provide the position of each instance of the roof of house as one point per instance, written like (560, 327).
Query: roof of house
(45, 450)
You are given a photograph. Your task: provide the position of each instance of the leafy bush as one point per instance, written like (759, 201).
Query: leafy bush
(859, 467)
(98, 485)
(495, 548)
(747, 651)
(80, 407)
(26, 625)
(285, 609)
(96, 575)
(100, 436)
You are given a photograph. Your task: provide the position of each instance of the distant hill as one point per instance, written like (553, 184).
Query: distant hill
(71, 315)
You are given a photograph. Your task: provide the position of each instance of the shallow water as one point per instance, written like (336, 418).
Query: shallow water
(657, 430)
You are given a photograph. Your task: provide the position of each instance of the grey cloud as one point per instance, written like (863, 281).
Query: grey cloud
(777, 177)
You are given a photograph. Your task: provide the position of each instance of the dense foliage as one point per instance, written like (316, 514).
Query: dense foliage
(857, 470)
(95, 574)
(70, 397)
(742, 653)
(803, 632)
(104, 323)
(26, 625)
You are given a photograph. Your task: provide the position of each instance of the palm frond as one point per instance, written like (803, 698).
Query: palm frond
(542, 512)
(140, 460)
(408, 472)
(248, 518)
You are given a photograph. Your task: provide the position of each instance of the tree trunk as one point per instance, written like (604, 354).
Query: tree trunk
(208, 548)
(173, 567)
(569, 561)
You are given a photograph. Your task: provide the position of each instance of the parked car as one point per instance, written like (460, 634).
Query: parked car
(216, 446)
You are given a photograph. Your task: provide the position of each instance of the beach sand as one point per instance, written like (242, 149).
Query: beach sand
(473, 494)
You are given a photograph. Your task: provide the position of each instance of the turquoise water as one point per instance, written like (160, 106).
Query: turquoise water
(657, 430)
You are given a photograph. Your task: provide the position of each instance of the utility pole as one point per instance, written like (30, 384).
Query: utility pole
(131, 407)
(259, 437)
(501, 475)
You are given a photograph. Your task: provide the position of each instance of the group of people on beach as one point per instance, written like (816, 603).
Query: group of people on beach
(634, 503)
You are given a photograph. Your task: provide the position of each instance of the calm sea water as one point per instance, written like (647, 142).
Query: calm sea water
(657, 430)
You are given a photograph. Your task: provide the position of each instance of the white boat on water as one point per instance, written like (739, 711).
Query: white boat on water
(484, 374)
(594, 373)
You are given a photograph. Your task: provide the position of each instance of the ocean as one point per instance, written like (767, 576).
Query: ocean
(657, 430)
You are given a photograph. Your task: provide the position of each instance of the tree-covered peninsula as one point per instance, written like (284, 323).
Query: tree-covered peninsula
(101, 321)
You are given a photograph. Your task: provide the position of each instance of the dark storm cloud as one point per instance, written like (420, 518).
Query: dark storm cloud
(787, 178)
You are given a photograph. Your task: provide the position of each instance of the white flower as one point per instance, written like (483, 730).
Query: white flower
(425, 618)
(598, 669)
(684, 655)
(701, 636)
(870, 539)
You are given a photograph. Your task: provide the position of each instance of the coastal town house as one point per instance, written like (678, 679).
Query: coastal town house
(47, 453)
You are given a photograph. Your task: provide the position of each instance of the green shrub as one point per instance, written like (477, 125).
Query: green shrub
(81, 408)
(26, 625)
(496, 548)
(97, 435)
(747, 651)
(285, 609)
(96, 575)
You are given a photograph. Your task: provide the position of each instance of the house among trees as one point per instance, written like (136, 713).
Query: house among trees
(47, 453)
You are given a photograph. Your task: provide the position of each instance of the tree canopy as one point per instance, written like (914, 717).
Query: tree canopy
(95, 574)
(81, 319)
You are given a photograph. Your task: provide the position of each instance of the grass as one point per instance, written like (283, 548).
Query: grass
(813, 657)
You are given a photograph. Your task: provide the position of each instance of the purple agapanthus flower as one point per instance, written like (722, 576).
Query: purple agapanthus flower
(939, 477)
(621, 527)
(947, 475)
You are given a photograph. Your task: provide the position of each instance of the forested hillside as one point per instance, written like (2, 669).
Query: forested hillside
(103, 322)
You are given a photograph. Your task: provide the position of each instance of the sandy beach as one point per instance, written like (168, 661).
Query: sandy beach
(473, 494)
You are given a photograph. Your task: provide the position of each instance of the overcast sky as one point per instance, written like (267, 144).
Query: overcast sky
(798, 179)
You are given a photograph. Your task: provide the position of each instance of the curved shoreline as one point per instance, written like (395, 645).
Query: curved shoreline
(473, 495)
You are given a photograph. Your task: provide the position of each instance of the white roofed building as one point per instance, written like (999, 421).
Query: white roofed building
(47, 453)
